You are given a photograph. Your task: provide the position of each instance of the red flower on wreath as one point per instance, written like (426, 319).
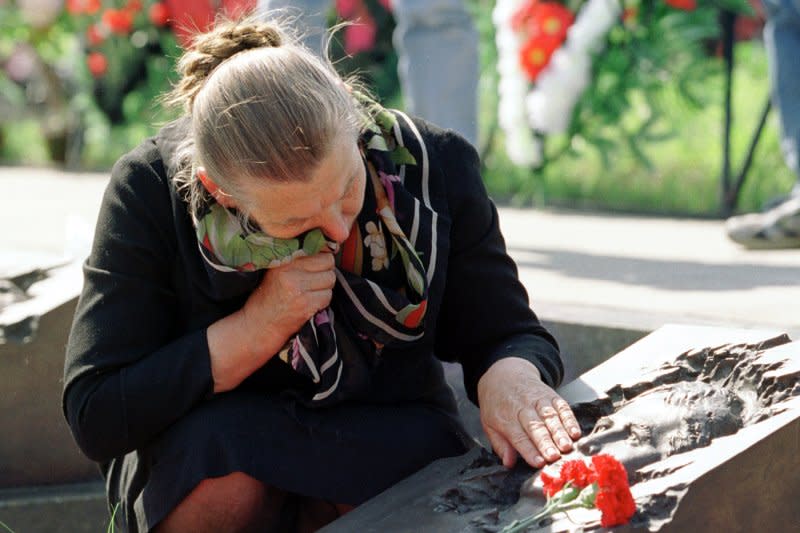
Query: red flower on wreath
(686, 5)
(535, 54)
(97, 63)
(187, 17)
(119, 21)
(159, 14)
(94, 35)
(523, 15)
(546, 25)
(78, 7)
(553, 20)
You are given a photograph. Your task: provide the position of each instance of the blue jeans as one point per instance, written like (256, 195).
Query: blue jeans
(437, 48)
(782, 40)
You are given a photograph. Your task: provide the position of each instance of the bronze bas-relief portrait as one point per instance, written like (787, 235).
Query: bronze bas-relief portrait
(702, 395)
(686, 404)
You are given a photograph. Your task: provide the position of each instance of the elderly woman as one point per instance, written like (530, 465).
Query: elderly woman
(272, 281)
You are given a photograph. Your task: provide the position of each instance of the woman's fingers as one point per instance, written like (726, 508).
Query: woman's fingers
(567, 418)
(555, 426)
(539, 436)
(502, 448)
(313, 263)
(319, 300)
(315, 281)
(525, 413)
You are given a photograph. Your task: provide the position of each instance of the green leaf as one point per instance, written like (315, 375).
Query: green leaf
(313, 242)
(377, 142)
(401, 156)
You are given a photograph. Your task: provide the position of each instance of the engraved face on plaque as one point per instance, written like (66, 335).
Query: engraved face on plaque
(687, 403)
(665, 421)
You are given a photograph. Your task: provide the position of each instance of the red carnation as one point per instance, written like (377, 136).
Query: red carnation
(134, 6)
(159, 14)
(551, 484)
(602, 485)
(575, 472)
(97, 63)
(614, 497)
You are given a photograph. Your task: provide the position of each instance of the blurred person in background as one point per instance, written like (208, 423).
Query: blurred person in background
(778, 226)
(437, 47)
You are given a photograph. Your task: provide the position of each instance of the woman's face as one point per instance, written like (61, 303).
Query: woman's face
(330, 201)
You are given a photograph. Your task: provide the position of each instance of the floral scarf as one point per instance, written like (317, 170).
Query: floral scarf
(380, 297)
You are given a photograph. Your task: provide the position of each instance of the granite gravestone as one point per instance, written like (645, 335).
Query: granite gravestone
(37, 300)
(710, 437)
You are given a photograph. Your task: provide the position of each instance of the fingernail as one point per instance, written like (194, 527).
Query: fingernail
(538, 461)
(564, 443)
(551, 453)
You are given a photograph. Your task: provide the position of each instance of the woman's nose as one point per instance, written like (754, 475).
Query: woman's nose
(336, 227)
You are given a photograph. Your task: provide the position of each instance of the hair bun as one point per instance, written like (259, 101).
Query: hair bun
(209, 50)
(228, 39)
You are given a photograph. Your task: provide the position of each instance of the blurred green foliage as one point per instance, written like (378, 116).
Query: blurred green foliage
(644, 148)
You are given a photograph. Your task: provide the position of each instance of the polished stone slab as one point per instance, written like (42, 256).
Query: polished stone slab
(36, 311)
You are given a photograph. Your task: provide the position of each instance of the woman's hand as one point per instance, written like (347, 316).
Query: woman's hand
(287, 297)
(521, 414)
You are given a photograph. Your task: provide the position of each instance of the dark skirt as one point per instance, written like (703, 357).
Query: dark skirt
(346, 454)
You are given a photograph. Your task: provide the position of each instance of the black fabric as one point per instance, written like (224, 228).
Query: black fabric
(138, 391)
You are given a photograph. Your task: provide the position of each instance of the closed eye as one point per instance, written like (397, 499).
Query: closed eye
(604, 424)
(640, 433)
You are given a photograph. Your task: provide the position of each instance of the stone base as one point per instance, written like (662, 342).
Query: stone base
(37, 447)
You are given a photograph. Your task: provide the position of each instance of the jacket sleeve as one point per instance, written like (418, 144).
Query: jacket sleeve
(128, 375)
(485, 315)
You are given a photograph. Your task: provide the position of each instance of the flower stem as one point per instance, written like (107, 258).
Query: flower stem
(524, 523)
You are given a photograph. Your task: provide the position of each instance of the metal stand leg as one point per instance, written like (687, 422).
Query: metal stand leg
(732, 188)
(727, 19)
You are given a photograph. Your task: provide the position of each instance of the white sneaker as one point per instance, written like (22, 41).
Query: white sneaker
(778, 227)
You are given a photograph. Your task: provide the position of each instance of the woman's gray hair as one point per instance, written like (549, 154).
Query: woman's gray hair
(262, 107)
